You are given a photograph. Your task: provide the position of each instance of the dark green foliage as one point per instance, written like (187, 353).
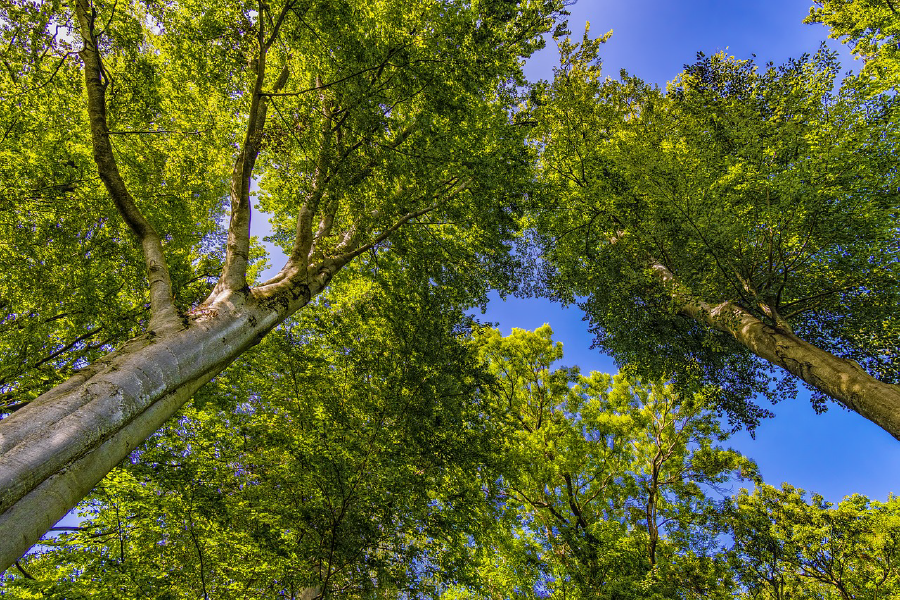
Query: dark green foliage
(761, 187)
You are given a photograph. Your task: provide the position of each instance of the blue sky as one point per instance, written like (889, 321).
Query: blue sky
(835, 454)
(653, 39)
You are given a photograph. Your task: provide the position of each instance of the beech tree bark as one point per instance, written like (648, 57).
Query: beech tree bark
(842, 379)
(57, 448)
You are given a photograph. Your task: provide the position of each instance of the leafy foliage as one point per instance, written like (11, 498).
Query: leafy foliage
(607, 483)
(379, 445)
(342, 455)
(351, 456)
(787, 546)
(758, 187)
(73, 284)
(872, 29)
(390, 109)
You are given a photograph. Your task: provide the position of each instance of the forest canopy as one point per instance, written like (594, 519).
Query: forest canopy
(472, 467)
(346, 427)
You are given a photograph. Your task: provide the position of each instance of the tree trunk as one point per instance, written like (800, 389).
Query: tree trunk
(57, 448)
(650, 511)
(310, 593)
(842, 379)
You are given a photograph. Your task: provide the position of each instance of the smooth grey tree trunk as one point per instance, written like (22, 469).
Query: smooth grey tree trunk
(57, 448)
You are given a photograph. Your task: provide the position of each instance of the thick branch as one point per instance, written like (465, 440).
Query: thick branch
(573, 505)
(56, 449)
(297, 276)
(24, 573)
(237, 250)
(326, 224)
(162, 306)
(351, 248)
(303, 241)
(842, 379)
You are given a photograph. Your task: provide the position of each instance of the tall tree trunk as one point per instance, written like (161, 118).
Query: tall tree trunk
(842, 379)
(650, 510)
(59, 446)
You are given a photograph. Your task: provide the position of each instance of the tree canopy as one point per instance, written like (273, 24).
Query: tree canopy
(458, 464)
(353, 431)
(318, 462)
(871, 29)
(129, 131)
(743, 213)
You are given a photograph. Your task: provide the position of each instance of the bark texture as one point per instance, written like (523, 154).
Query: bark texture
(842, 379)
(56, 449)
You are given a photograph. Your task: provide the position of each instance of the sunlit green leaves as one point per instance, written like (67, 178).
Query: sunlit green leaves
(871, 28)
(607, 481)
(786, 544)
(346, 452)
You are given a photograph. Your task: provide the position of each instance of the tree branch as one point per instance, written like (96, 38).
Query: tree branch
(24, 573)
(308, 244)
(303, 241)
(573, 505)
(321, 86)
(350, 242)
(326, 223)
(197, 546)
(162, 306)
(237, 250)
(842, 379)
(150, 131)
(90, 333)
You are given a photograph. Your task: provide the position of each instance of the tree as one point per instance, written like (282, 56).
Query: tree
(788, 547)
(368, 128)
(341, 457)
(744, 214)
(606, 482)
(357, 454)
